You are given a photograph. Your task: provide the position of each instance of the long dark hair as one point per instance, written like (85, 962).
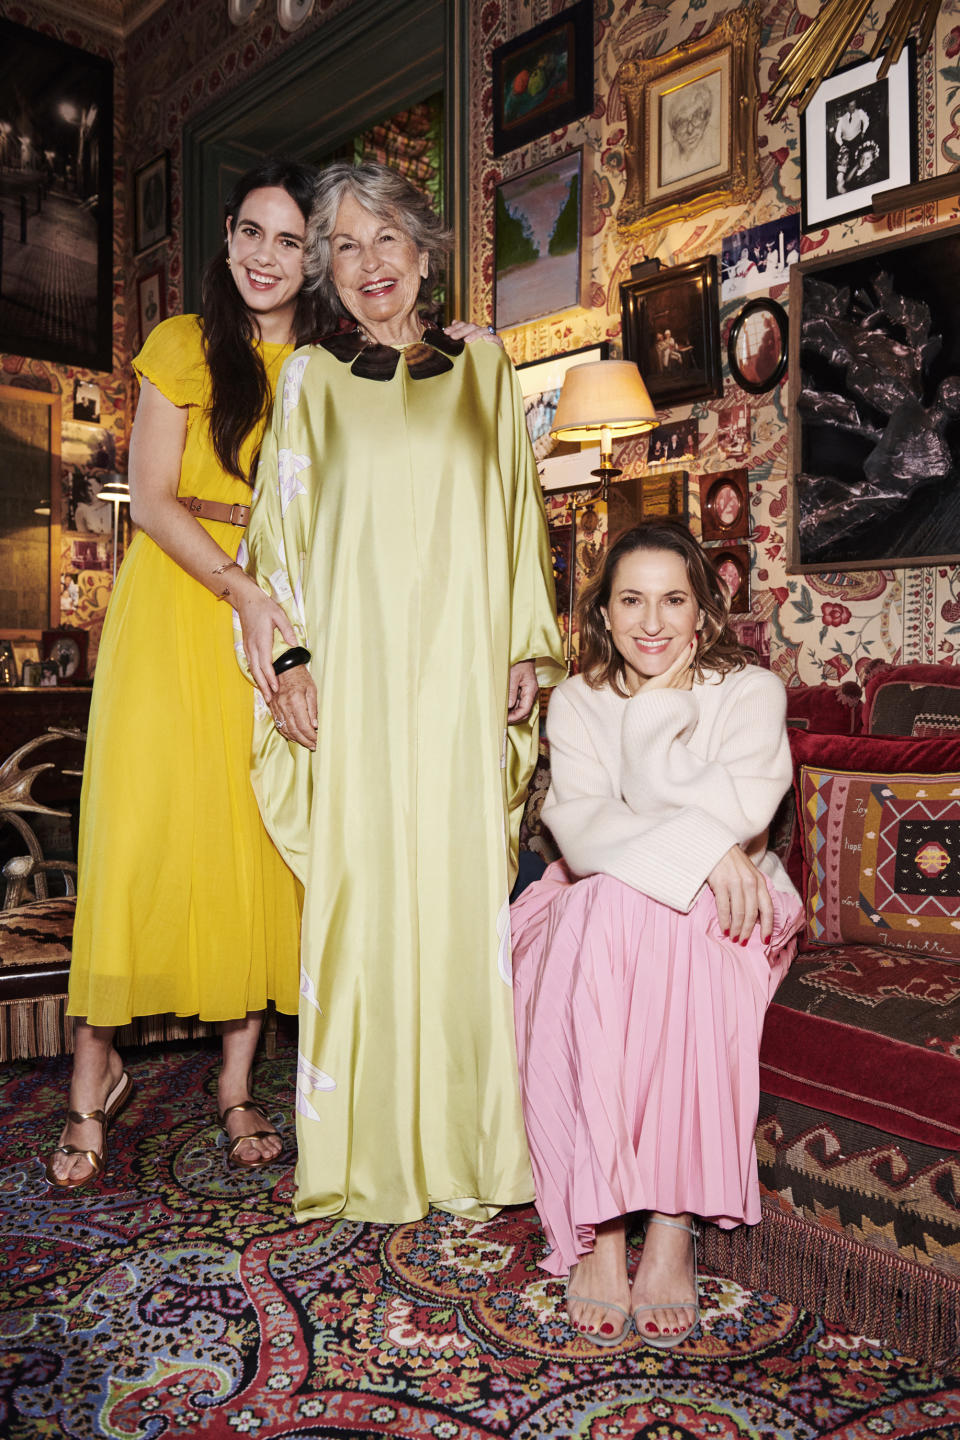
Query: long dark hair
(239, 388)
(719, 649)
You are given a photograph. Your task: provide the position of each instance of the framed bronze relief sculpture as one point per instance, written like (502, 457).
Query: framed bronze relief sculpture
(875, 432)
(692, 125)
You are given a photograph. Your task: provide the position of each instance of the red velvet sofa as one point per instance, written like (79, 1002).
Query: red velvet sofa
(859, 1122)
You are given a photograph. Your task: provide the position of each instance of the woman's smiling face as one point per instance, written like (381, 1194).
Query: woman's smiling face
(377, 269)
(652, 615)
(265, 248)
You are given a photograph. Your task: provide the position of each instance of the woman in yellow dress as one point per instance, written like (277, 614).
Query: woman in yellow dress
(184, 905)
(400, 522)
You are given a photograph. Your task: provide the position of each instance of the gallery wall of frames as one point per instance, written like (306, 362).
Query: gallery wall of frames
(696, 212)
(618, 139)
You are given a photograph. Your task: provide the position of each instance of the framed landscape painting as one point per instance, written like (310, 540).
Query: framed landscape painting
(537, 242)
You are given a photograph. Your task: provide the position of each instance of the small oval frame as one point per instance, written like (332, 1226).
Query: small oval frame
(772, 372)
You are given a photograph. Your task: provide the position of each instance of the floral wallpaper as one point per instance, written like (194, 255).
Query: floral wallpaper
(811, 627)
(825, 626)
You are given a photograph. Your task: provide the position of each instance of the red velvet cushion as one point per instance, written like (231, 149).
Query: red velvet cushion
(897, 694)
(824, 709)
(883, 754)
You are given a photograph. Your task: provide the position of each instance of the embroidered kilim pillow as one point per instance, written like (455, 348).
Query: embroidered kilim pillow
(882, 860)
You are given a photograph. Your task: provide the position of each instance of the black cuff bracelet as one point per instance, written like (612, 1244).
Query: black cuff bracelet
(290, 659)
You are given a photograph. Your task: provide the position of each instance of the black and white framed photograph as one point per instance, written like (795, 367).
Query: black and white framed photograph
(561, 464)
(151, 302)
(858, 137)
(151, 203)
(56, 201)
(671, 330)
(86, 402)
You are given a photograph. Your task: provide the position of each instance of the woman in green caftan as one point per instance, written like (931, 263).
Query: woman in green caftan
(399, 521)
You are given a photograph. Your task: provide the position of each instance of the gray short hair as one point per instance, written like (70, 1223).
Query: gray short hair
(389, 197)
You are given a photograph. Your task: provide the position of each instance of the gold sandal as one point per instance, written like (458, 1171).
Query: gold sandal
(232, 1157)
(118, 1097)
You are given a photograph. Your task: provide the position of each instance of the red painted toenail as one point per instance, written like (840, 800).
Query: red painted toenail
(606, 1328)
(676, 1330)
(650, 1328)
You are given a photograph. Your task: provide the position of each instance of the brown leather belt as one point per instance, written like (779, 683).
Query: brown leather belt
(215, 510)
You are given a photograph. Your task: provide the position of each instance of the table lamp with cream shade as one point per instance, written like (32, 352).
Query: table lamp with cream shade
(602, 400)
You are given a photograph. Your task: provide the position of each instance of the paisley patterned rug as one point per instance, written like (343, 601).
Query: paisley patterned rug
(179, 1299)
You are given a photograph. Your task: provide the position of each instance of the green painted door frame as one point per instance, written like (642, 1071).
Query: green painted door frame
(373, 59)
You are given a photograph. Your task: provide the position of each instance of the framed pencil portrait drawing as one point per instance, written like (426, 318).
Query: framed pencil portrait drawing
(543, 78)
(671, 330)
(858, 137)
(692, 125)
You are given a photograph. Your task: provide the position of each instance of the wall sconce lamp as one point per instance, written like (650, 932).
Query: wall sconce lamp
(117, 491)
(605, 400)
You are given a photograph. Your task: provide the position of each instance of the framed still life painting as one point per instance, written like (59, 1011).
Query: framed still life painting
(543, 78)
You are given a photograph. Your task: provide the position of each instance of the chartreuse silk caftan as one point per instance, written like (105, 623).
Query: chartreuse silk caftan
(184, 903)
(400, 522)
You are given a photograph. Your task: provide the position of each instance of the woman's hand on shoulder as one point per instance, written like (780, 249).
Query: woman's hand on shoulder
(679, 676)
(294, 707)
(259, 617)
(743, 899)
(466, 330)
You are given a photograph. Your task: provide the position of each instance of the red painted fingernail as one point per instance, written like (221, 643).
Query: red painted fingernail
(726, 932)
(767, 939)
(606, 1328)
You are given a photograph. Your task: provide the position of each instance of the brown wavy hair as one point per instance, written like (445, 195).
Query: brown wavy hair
(719, 650)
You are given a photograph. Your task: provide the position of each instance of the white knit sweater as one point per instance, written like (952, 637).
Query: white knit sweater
(656, 788)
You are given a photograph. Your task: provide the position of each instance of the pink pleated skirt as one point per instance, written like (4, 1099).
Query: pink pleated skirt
(638, 1037)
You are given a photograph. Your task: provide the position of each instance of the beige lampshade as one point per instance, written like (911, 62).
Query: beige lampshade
(603, 395)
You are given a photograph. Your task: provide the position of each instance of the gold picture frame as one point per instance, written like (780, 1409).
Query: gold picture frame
(692, 126)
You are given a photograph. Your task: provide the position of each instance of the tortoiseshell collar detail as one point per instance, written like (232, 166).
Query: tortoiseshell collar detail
(429, 356)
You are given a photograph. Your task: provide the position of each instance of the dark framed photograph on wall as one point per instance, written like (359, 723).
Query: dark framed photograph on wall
(757, 346)
(543, 79)
(732, 564)
(151, 301)
(537, 241)
(56, 197)
(875, 432)
(671, 330)
(151, 203)
(858, 137)
(724, 505)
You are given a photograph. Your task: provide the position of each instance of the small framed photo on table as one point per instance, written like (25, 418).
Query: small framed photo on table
(151, 203)
(858, 137)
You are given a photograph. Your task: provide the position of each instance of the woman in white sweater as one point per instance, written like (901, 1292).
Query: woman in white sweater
(645, 959)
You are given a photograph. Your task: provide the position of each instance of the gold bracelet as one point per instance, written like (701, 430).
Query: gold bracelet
(221, 570)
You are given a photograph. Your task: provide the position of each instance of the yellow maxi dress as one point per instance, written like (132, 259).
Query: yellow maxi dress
(184, 903)
(401, 524)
